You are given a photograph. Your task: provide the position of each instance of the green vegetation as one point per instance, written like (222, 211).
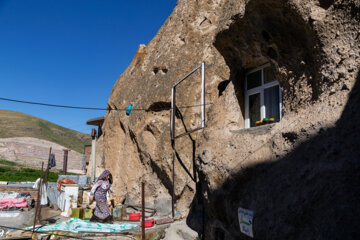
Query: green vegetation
(8, 163)
(24, 175)
(13, 172)
(16, 124)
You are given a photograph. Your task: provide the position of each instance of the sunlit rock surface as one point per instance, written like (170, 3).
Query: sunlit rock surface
(300, 176)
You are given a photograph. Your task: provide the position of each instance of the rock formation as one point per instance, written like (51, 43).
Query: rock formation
(300, 176)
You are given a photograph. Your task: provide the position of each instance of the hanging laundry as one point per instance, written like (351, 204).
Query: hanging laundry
(7, 203)
(43, 191)
(52, 161)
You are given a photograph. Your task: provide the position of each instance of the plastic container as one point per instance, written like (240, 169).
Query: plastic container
(87, 213)
(134, 216)
(77, 212)
(119, 212)
(149, 223)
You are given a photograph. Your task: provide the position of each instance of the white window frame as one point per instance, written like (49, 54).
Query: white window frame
(260, 90)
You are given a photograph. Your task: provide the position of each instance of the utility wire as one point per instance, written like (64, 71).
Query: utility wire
(50, 105)
(99, 109)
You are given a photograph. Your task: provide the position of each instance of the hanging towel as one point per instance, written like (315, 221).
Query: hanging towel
(52, 161)
(43, 197)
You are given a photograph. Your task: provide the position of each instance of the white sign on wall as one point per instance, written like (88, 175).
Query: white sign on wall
(246, 221)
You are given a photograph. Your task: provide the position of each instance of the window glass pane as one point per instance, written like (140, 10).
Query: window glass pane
(272, 101)
(268, 75)
(253, 80)
(254, 109)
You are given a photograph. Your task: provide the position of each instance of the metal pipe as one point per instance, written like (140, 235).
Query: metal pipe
(172, 120)
(202, 105)
(187, 75)
(173, 180)
(172, 123)
(143, 210)
(203, 95)
(38, 197)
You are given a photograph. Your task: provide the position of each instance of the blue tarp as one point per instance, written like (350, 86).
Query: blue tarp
(77, 225)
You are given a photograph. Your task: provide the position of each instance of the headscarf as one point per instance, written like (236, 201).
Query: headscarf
(104, 174)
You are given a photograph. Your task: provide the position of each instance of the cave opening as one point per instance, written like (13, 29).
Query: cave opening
(271, 33)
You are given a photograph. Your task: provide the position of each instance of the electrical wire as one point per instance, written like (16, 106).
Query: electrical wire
(98, 109)
(50, 105)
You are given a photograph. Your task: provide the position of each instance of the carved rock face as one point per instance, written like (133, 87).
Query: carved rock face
(313, 48)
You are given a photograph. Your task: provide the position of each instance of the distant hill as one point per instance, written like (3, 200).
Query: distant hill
(16, 124)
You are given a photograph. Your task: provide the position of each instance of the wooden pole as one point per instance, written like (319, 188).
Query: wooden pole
(66, 151)
(143, 210)
(47, 169)
(38, 197)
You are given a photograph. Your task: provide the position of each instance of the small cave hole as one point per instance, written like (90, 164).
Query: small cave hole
(164, 70)
(155, 70)
(222, 86)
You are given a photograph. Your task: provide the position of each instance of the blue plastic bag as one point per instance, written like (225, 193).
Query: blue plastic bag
(128, 109)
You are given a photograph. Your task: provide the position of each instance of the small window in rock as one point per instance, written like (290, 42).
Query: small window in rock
(268, 75)
(262, 97)
(254, 80)
(219, 234)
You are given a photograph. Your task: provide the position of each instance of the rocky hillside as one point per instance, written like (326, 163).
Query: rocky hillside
(299, 176)
(32, 152)
(16, 124)
(26, 140)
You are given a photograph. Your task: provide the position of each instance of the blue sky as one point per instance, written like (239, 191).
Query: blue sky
(71, 52)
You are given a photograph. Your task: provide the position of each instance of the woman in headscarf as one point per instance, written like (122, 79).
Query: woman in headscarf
(98, 193)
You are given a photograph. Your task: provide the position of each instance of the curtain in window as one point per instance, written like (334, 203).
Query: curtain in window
(271, 101)
(254, 107)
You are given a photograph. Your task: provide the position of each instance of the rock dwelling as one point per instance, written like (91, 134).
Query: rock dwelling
(294, 64)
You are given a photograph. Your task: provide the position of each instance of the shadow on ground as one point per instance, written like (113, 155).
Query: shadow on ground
(311, 193)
